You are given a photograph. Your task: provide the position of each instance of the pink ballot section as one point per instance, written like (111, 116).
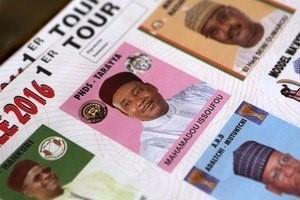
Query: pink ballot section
(194, 129)
(159, 113)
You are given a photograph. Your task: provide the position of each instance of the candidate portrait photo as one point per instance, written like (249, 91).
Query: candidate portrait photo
(143, 103)
(208, 28)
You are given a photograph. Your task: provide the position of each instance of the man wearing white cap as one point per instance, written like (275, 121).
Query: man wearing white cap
(228, 25)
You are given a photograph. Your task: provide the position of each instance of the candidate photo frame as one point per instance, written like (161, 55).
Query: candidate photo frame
(202, 29)
(92, 104)
(247, 156)
(47, 149)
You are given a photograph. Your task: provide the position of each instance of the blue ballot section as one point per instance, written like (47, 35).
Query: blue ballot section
(253, 153)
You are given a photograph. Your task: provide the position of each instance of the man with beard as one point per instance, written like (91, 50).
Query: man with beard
(163, 120)
(41, 183)
(280, 172)
(229, 25)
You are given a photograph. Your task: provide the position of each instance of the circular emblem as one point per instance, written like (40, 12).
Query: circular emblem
(93, 111)
(53, 148)
(139, 62)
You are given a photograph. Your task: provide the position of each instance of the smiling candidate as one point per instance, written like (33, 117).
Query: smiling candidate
(37, 182)
(163, 120)
(229, 25)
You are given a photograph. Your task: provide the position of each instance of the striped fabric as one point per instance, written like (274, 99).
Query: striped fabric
(250, 159)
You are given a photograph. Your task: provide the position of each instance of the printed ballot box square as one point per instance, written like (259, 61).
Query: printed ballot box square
(44, 152)
(260, 159)
(208, 28)
(148, 106)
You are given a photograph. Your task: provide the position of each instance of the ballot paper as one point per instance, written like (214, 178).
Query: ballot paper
(177, 112)
(76, 13)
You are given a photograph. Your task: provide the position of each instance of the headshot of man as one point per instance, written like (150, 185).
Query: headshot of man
(41, 183)
(163, 120)
(34, 181)
(229, 25)
(280, 172)
(225, 24)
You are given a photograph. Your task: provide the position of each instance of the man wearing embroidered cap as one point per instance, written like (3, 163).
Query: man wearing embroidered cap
(41, 183)
(163, 120)
(278, 171)
(229, 25)
(225, 24)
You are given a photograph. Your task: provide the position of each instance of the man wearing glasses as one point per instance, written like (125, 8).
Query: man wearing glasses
(278, 171)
